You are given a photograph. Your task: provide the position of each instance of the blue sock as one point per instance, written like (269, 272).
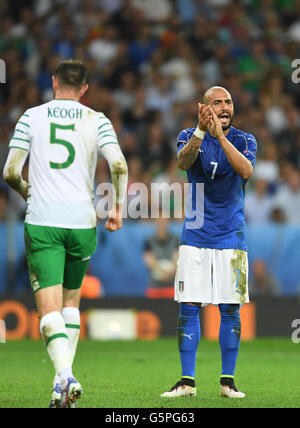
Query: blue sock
(230, 337)
(188, 329)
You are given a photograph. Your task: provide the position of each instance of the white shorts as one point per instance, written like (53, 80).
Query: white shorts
(207, 275)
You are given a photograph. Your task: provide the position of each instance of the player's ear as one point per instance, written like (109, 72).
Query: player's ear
(83, 90)
(54, 83)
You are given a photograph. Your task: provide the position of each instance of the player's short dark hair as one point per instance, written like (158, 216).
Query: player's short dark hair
(71, 73)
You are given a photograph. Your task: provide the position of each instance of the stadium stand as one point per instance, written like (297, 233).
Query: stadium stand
(149, 64)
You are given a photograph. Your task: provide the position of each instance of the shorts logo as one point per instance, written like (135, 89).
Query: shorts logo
(181, 286)
(34, 282)
(35, 286)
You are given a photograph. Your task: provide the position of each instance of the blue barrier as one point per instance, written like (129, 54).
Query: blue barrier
(118, 261)
(278, 245)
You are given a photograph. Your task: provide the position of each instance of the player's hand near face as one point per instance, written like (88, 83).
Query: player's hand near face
(204, 116)
(189, 153)
(215, 125)
(239, 163)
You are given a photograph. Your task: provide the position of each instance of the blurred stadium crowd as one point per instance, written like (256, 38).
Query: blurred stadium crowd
(149, 64)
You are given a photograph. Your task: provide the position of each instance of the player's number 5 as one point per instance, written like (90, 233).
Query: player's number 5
(66, 144)
(214, 169)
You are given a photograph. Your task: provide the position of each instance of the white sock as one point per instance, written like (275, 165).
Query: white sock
(56, 380)
(71, 317)
(54, 333)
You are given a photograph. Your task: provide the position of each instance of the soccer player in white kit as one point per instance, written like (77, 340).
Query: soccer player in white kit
(63, 138)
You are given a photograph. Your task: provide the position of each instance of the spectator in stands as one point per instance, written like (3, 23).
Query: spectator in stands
(154, 10)
(287, 198)
(262, 282)
(267, 165)
(3, 204)
(125, 95)
(278, 216)
(254, 66)
(148, 62)
(287, 138)
(155, 152)
(172, 202)
(258, 203)
(160, 255)
(141, 49)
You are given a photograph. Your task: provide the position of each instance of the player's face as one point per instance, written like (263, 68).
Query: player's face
(222, 105)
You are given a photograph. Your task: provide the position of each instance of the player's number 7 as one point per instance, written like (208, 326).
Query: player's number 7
(214, 169)
(67, 144)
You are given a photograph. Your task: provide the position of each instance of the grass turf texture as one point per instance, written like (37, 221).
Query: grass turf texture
(134, 374)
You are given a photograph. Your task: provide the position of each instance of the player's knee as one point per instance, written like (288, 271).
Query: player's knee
(230, 325)
(229, 308)
(49, 300)
(230, 312)
(188, 327)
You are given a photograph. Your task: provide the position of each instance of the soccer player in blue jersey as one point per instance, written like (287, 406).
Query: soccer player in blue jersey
(213, 264)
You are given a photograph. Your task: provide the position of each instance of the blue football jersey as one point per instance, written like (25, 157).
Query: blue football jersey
(212, 178)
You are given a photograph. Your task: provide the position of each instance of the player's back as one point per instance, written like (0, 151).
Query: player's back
(63, 137)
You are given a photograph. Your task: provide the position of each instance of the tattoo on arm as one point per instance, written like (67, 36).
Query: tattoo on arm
(188, 154)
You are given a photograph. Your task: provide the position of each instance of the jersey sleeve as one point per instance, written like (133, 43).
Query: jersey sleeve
(182, 140)
(248, 148)
(21, 138)
(105, 132)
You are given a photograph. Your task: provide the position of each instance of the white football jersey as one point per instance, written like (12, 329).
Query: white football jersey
(63, 137)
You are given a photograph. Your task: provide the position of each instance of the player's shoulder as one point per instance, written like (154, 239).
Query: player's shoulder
(237, 133)
(34, 110)
(102, 117)
(39, 109)
(185, 135)
(97, 115)
(58, 103)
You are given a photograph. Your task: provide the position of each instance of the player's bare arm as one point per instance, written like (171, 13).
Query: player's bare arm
(188, 155)
(239, 163)
(119, 177)
(12, 172)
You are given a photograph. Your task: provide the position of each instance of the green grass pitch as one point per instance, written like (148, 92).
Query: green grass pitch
(133, 374)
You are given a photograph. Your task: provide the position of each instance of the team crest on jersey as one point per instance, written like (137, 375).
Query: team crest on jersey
(181, 286)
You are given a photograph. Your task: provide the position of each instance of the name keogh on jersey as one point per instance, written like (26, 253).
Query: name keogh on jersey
(64, 113)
